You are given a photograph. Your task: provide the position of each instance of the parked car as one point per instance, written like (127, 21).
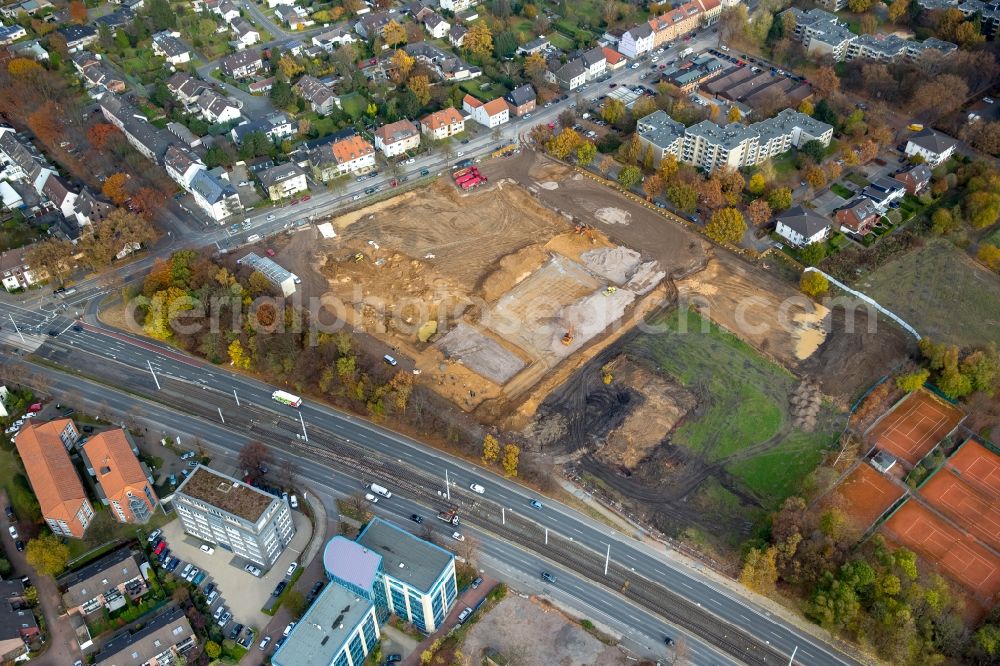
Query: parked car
(19, 545)
(199, 579)
(218, 613)
(279, 588)
(235, 631)
(393, 658)
(153, 536)
(293, 501)
(464, 615)
(210, 599)
(288, 629)
(205, 548)
(476, 583)
(13, 532)
(291, 569)
(226, 617)
(191, 575)
(251, 569)
(264, 642)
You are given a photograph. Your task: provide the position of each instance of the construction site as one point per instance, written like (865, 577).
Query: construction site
(518, 298)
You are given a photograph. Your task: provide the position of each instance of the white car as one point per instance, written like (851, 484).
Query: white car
(293, 501)
(13, 532)
(412, 160)
(371, 498)
(291, 568)
(270, 217)
(476, 488)
(194, 572)
(460, 153)
(288, 629)
(205, 548)
(265, 642)
(457, 536)
(244, 183)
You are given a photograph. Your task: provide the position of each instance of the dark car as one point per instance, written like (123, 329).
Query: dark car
(393, 658)
(53, 332)
(668, 640)
(69, 411)
(476, 583)
(548, 578)
(87, 429)
(77, 328)
(10, 513)
(417, 519)
(19, 544)
(316, 588)
(235, 631)
(425, 172)
(209, 588)
(279, 588)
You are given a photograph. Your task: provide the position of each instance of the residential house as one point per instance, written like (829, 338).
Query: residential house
(169, 45)
(537, 45)
(614, 60)
(932, 146)
(283, 180)
(119, 18)
(242, 64)
(883, 191)
(29, 7)
(271, 4)
(125, 486)
(802, 226)
(15, 271)
(147, 139)
(397, 138)
(521, 99)
(677, 22)
(569, 76)
(276, 126)
(295, 17)
(373, 25)
(637, 42)
(445, 65)
(456, 6)
(11, 33)
(33, 50)
(436, 26)
(103, 584)
(456, 36)
(20, 161)
(261, 87)
(215, 195)
(594, 63)
(11, 199)
(350, 154)
(62, 197)
(78, 37)
(218, 509)
(915, 179)
(320, 96)
(160, 641)
(103, 77)
(489, 114)
(228, 11)
(244, 32)
(185, 88)
(63, 502)
(333, 38)
(858, 216)
(18, 626)
(216, 109)
(442, 124)
(89, 209)
(735, 146)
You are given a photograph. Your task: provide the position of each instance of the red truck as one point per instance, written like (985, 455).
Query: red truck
(474, 182)
(461, 172)
(472, 175)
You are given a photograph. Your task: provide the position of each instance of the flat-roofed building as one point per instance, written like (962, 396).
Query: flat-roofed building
(339, 629)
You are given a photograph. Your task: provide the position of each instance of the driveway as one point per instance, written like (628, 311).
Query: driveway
(61, 638)
(243, 594)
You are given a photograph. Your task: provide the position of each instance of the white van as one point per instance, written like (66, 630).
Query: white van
(476, 488)
(379, 490)
(253, 238)
(389, 359)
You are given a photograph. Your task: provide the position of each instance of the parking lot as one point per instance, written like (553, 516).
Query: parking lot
(240, 593)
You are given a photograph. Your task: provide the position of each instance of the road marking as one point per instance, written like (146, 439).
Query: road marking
(686, 585)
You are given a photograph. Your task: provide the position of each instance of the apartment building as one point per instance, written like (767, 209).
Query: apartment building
(221, 510)
(736, 146)
(320, 96)
(103, 584)
(442, 124)
(637, 42)
(397, 138)
(488, 114)
(112, 459)
(350, 154)
(339, 629)
(283, 180)
(63, 502)
(242, 64)
(891, 48)
(932, 146)
(398, 572)
(160, 641)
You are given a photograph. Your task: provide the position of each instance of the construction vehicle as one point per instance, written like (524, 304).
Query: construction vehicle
(475, 182)
(449, 516)
(607, 371)
(461, 172)
(393, 183)
(585, 230)
(610, 290)
(473, 173)
(359, 257)
(505, 150)
(567, 338)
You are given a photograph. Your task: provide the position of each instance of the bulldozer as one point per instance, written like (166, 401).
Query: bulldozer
(585, 230)
(567, 338)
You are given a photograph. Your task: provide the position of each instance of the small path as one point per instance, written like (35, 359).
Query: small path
(468, 598)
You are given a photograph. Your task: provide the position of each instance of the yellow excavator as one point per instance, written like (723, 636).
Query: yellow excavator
(567, 338)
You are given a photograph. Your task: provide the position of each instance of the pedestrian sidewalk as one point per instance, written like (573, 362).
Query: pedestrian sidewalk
(467, 598)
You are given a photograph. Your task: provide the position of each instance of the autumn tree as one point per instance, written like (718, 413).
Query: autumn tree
(898, 9)
(491, 449)
(652, 185)
(535, 67)
(289, 66)
(114, 188)
(912, 381)
(759, 212)
(255, 457)
(825, 81)
(479, 40)
(564, 143)
(779, 198)
(78, 12)
(120, 231)
(393, 34)
(612, 111)
(683, 196)
(668, 167)
(943, 222)
(813, 254)
(23, 68)
(100, 134)
(511, 455)
(629, 176)
(815, 176)
(630, 152)
(734, 115)
(726, 226)
(586, 152)
(54, 254)
(806, 107)
(420, 86)
(710, 193)
(47, 554)
(760, 572)
(989, 255)
(46, 123)
(402, 65)
(814, 283)
(756, 184)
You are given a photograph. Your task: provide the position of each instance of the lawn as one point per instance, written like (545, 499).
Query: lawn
(742, 403)
(354, 105)
(857, 179)
(105, 533)
(475, 89)
(560, 41)
(841, 191)
(784, 164)
(941, 292)
(15, 483)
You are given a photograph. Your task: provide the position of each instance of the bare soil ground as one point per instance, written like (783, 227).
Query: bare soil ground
(529, 632)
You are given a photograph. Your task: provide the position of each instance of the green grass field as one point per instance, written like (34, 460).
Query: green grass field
(743, 399)
(354, 105)
(841, 191)
(941, 292)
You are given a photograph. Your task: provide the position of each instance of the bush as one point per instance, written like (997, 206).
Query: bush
(814, 284)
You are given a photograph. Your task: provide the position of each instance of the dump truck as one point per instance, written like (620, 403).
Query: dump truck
(461, 172)
(449, 516)
(468, 175)
(475, 182)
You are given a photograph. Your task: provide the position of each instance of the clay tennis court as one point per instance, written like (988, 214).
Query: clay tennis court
(915, 426)
(865, 495)
(970, 509)
(958, 555)
(979, 467)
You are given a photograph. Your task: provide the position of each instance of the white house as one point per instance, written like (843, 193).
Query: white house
(456, 6)
(933, 146)
(490, 114)
(227, 10)
(351, 154)
(802, 226)
(283, 181)
(10, 34)
(637, 41)
(14, 271)
(397, 138)
(244, 32)
(182, 165)
(215, 108)
(274, 3)
(436, 26)
(595, 63)
(169, 45)
(442, 124)
(214, 194)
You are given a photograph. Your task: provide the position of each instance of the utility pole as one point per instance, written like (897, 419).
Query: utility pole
(503, 515)
(447, 485)
(16, 329)
(237, 398)
(607, 559)
(792, 658)
(305, 435)
(157, 381)
(221, 417)
(546, 536)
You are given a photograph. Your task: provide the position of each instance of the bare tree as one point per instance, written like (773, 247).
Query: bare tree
(254, 457)
(682, 654)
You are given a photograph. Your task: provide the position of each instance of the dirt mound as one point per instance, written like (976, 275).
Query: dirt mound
(616, 264)
(609, 215)
(664, 403)
(804, 404)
